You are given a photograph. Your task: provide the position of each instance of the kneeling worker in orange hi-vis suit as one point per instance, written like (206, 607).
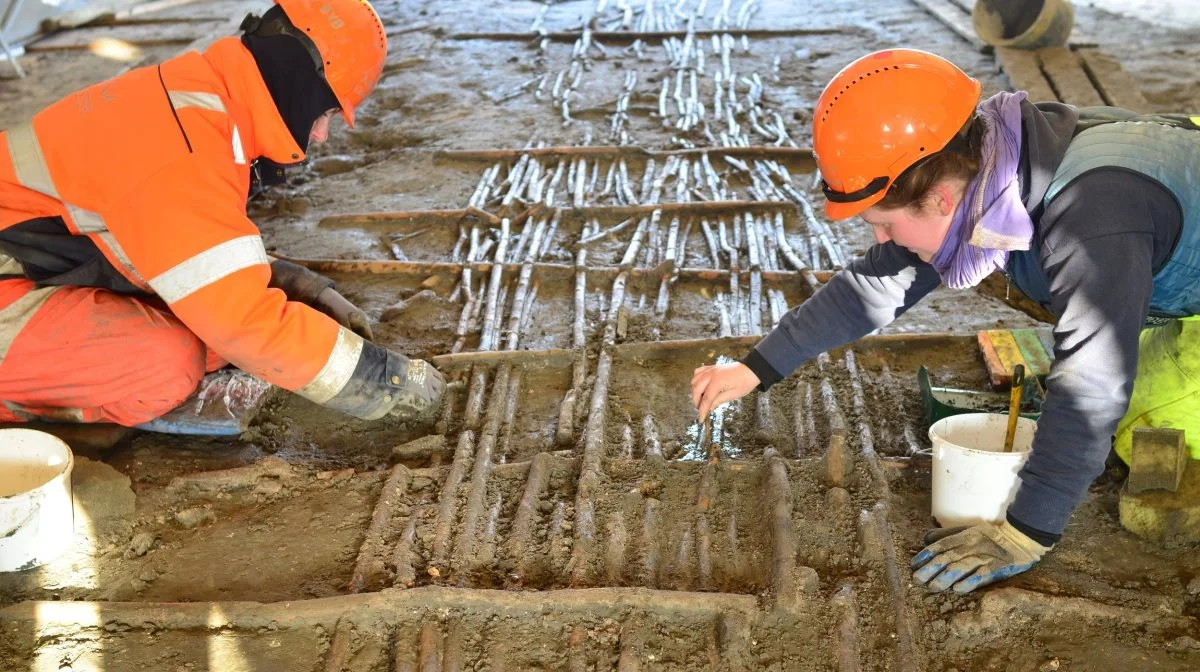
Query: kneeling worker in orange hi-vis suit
(128, 267)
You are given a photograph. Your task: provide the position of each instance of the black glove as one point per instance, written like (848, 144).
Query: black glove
(297, 282)
(312, 288)
(421, 388)
(333, 304)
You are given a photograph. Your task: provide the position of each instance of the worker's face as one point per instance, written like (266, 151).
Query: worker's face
(320, 128)
(919, 229)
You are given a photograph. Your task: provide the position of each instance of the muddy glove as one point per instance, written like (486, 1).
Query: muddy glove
(333, 304)
(419, 387)
(966, 558)
(311, 288)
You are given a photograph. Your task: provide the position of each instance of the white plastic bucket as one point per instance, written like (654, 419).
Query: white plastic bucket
(37, 520)
(974, 480)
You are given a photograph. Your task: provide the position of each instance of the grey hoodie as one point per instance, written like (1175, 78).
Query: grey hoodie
(1099, 243)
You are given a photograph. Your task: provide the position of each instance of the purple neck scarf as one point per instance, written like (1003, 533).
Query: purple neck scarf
(991, 220)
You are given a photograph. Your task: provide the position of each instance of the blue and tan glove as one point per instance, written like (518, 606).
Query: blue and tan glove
(966, 558)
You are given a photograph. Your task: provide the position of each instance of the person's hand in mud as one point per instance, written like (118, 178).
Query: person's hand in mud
(419, 387)
(333, 304)
(966, 558)
(716, 384)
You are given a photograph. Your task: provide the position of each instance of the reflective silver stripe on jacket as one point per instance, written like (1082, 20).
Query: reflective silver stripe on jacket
(209, 101)
(338, 369)
(207, 267)
(17, 314)
(31, 170)
(200, 99)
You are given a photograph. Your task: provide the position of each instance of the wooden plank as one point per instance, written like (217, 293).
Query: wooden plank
(1116, 85)
(1025, 74)
(1038, 360)
(991, 360)
(145, 35)
(956, 20)
(1001, 355)
(1007, 349)
(1067, 77)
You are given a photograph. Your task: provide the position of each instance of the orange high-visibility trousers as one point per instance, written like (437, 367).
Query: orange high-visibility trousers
(83, 354)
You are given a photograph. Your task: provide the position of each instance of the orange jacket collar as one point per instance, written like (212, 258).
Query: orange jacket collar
(269, 135)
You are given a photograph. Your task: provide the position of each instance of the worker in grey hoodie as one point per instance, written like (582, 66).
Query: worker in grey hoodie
(1092, 212)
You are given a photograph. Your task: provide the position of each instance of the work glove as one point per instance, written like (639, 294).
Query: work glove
(311, 288)
(350, 316)
(418, 388)
(966, 558)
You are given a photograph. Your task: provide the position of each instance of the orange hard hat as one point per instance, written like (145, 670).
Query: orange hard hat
(880, 115)
(351, 42)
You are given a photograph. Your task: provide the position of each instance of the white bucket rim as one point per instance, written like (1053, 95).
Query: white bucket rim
(66, 467)
(941, 441)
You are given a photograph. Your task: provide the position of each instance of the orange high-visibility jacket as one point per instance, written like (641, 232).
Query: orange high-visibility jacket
(153, 168)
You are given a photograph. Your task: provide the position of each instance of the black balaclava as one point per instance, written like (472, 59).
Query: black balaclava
(301, 94)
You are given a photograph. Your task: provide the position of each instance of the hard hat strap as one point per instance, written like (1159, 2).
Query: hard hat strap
(873, 187)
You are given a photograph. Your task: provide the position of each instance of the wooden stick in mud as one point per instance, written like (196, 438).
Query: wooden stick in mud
(475, 392)
(735, 295)
(651, 444)
(510, 412)
(651, 548)
(875, 536)
(756, 287)
(565, 431)
(664, 296)
(522, 526)
(680, 259)
(518, 307)
(590, 469)
(593, 237)
(724, 326)
(430, 647)
(448, 500)
(824, 234)
(871, 459)
(464, 320)
(791, 256)
(672, 243)
(515, 180)
(369, 567)
(488, 340)
(783, 537)
(485, 184)
(616, 549)
(402, 557)
(710, 238)
(844, 606)
(468, 538)
(858, 400)
(804, 423)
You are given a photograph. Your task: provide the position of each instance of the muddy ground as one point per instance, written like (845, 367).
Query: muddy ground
(564, 511)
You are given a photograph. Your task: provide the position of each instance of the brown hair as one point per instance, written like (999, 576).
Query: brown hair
(912, 186)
